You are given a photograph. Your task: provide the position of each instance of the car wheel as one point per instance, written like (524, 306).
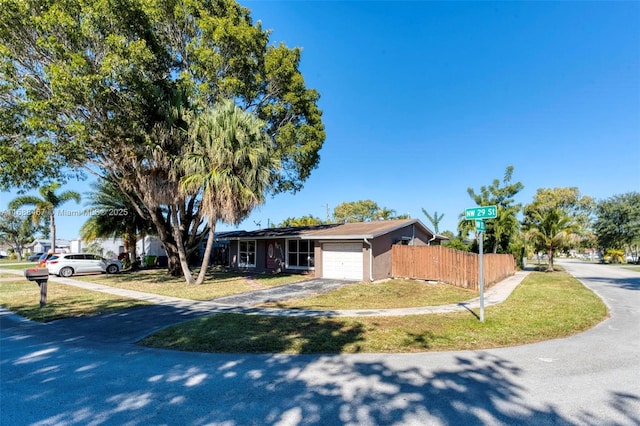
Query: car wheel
(112, 269)
(65, 272)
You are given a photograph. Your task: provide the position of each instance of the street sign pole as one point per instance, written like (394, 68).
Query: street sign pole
(481, 258)
(478, 214)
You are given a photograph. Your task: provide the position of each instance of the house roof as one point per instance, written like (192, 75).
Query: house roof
(336, 231)
(59, 243)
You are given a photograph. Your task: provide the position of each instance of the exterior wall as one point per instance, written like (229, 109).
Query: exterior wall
(233, 254)
(113, 245)
(264, 263)
(382, 257)
(366, 261)
(38, 246)
(382, 263)
(41, 247)
(317, 254)
(150, 246)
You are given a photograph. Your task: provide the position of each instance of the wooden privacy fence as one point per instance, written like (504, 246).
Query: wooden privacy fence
(451, 266)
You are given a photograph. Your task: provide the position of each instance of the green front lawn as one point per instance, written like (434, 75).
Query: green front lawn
(217, 283)
(383, 295)
(544, 306)
(22, 265)
(63, 301)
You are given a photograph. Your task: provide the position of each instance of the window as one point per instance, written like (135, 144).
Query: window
(247, 254)
(300, 254)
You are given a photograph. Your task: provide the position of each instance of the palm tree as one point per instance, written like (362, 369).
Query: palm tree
(435, 219)
(232, 164)
(115, 216)
(500, 194)
(384, 213)
(45, 207)
(548, 229)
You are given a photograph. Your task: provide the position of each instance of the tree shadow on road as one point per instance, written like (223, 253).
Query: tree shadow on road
(627, 283)
(51, 383)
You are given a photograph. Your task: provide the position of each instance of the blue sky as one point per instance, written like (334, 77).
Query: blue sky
(422, 100)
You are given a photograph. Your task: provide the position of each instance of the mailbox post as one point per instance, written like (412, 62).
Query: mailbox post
(41, 277)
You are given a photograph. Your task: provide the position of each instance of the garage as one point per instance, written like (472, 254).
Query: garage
(342, 261)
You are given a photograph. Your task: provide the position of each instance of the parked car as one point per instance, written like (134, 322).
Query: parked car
(42, 262)
(67, 264)
(34, 257)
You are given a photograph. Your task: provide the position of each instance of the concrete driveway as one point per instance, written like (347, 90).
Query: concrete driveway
(50, 377)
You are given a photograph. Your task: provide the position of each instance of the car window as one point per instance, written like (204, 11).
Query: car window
(53, 258)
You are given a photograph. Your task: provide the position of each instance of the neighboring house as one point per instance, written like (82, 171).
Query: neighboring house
(147, 246)
(43, 246)
(150, 246)
(115, 246)
(353, 251)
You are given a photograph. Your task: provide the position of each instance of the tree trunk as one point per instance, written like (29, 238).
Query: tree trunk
(182, 255)
(167, 237)
(550, 256)
(173, 233)
(207, 254)
(174, 268)
(130, 246)
(52, 226)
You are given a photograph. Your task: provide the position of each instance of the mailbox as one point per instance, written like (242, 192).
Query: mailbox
(36, 274)
(41, 277)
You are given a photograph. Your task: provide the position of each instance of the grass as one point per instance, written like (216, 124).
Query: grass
(23, 265)
(544, 306)
(388, 294)
(217, 283)
(6, 260)
(23, 298)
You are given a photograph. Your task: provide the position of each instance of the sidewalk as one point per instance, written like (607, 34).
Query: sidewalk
(246, 302)
(132, 325)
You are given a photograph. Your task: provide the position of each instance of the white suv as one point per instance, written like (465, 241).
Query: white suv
(67, 264)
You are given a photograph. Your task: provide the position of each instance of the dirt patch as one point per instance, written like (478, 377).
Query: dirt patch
(255, 285)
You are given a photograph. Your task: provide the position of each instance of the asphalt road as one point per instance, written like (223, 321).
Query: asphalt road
(49, 377)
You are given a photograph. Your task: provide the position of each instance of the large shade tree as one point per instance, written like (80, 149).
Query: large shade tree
(106, 86)
(231, 166)
(16, 231)
(577, 207)
(45, 206)
(363, 211)
(618, 222)
(111, 215)
(307, 220)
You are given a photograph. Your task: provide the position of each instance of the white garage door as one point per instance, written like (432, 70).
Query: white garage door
(342, 261)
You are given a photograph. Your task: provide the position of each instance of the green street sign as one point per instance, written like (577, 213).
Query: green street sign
(480, 225)
(486, 212)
